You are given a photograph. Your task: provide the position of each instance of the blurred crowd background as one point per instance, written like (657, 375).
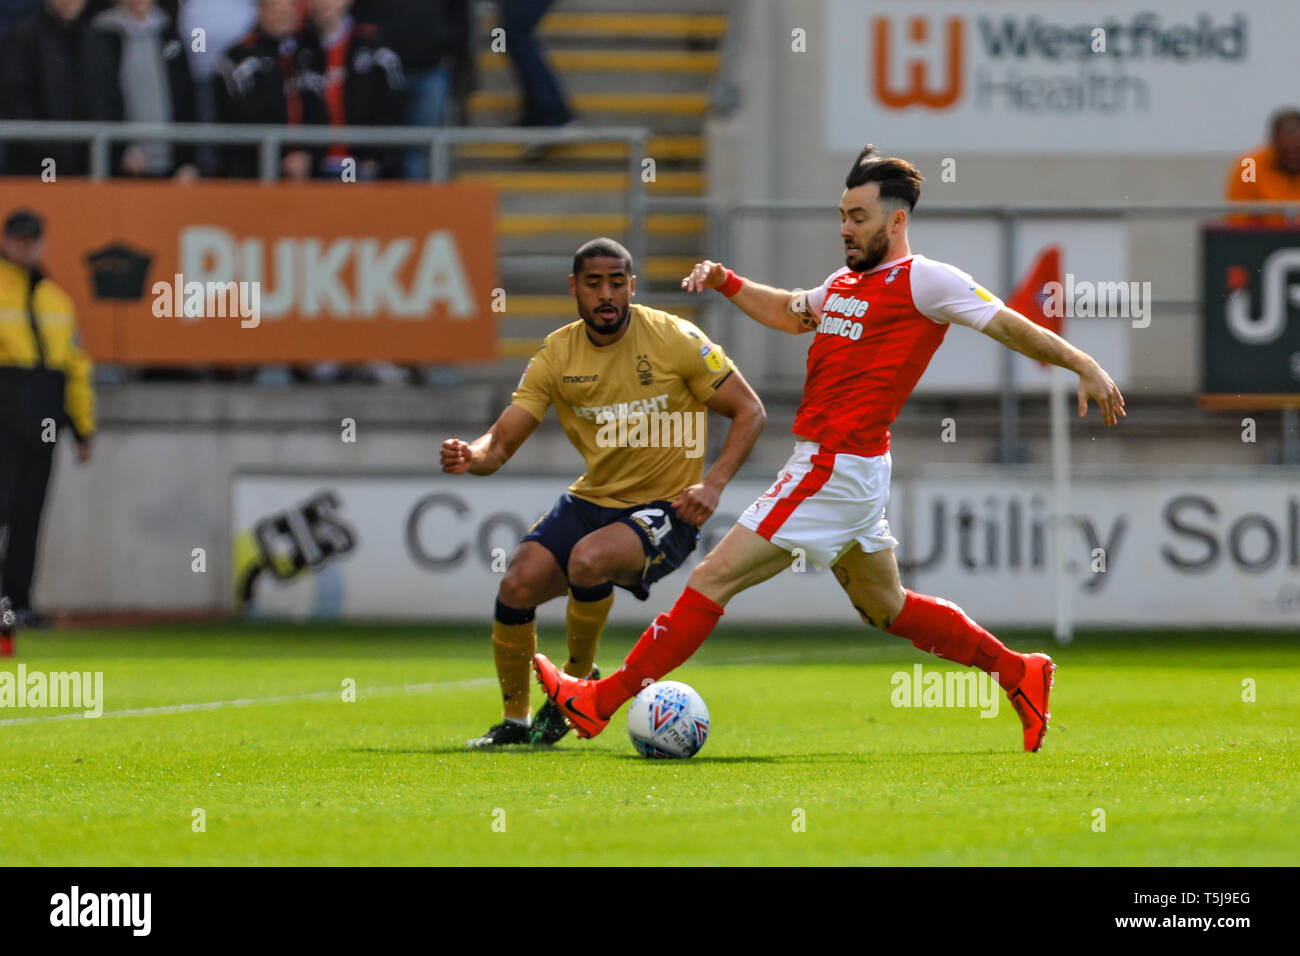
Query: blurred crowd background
(295, 62)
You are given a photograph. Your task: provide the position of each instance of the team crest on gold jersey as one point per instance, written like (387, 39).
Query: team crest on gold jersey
(712, 357)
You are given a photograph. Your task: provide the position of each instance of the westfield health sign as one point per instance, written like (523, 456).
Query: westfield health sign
(1107, 76)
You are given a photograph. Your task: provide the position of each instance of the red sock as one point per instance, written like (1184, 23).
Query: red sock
(942, 628)
(664, 647)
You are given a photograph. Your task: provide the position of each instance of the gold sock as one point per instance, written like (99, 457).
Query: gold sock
(513, 647)
(586, 622)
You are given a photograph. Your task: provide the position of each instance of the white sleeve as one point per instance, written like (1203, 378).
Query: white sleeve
(817, 297)
(944, 293)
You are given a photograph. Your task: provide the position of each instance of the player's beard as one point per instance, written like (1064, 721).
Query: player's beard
(873, 255)
(600, 327)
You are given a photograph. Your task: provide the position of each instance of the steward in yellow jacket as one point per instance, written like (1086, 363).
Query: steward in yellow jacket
(45, 385)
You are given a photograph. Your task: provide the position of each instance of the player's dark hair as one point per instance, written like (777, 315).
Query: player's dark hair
(601, 248)
(899, 180)
(1287, 114)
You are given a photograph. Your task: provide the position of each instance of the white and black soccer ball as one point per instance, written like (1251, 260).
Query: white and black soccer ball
(668, 719)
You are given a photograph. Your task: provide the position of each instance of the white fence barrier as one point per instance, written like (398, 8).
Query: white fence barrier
(1145, 550)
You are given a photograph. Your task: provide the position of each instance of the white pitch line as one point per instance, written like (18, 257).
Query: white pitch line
(254, 701)
(426, 688)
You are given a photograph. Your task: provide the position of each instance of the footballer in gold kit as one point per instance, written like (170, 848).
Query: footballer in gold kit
(630, 386)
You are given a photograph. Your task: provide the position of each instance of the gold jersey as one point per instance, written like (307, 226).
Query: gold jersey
(635, 409)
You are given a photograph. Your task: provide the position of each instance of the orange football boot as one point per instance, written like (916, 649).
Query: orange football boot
(1030, 698)
(575, 698)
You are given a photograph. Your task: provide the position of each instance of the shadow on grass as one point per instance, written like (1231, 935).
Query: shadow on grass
(468, 751)
(542, 749)
(753, 758)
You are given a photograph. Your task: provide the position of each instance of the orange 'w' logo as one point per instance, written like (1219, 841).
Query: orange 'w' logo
(916, 93)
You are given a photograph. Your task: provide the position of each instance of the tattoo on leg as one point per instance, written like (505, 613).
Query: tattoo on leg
(864, 615)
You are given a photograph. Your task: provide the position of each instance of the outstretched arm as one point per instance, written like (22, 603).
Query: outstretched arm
(489, 451)
(1028, 338)
(778, 308)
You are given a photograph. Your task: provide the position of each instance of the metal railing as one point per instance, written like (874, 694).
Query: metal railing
(271, 141)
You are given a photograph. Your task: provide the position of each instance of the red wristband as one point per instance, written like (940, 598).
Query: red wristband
(732, 284)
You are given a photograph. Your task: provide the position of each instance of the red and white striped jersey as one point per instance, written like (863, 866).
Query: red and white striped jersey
(877, 333)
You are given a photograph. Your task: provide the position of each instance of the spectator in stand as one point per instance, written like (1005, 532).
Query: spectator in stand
(544, 101)
(223, 23)
(363, 87)
(364, 84)
(95, 7)
(1270, 172)
(142, 69)
(11, 11)
(266, 81)
(42, 78)
(432, 38)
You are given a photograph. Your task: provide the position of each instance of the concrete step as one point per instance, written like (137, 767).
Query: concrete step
(684, 148)
(488, 9)
(639, 43)
(577, 86)
(545, 225)
(567, 203)
(547, 162)
(561, 308)
(670, 246)
(655, 269)
(633, 109)
(686, 26)
(545, 233)
(667, 182)
(665, 124)
(606, 61)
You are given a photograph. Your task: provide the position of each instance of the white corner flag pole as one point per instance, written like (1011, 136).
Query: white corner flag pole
(1062, 519)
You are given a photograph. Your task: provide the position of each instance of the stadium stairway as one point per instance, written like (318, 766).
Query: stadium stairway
(619, 67)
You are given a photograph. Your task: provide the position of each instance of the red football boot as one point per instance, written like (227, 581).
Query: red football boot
(1029, 698)
(8, 627)
(575, 698)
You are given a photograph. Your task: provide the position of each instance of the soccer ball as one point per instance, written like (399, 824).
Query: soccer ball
(668, 719)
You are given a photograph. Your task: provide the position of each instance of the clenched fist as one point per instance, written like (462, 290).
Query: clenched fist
(456, 456)
(697, 503)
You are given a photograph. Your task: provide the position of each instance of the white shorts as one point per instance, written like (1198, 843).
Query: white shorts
(824, 503)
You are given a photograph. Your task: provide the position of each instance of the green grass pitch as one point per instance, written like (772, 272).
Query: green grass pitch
(1149, 728)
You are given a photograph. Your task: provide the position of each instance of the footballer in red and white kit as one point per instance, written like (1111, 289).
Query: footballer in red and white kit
(877, 322)
(875, 335)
